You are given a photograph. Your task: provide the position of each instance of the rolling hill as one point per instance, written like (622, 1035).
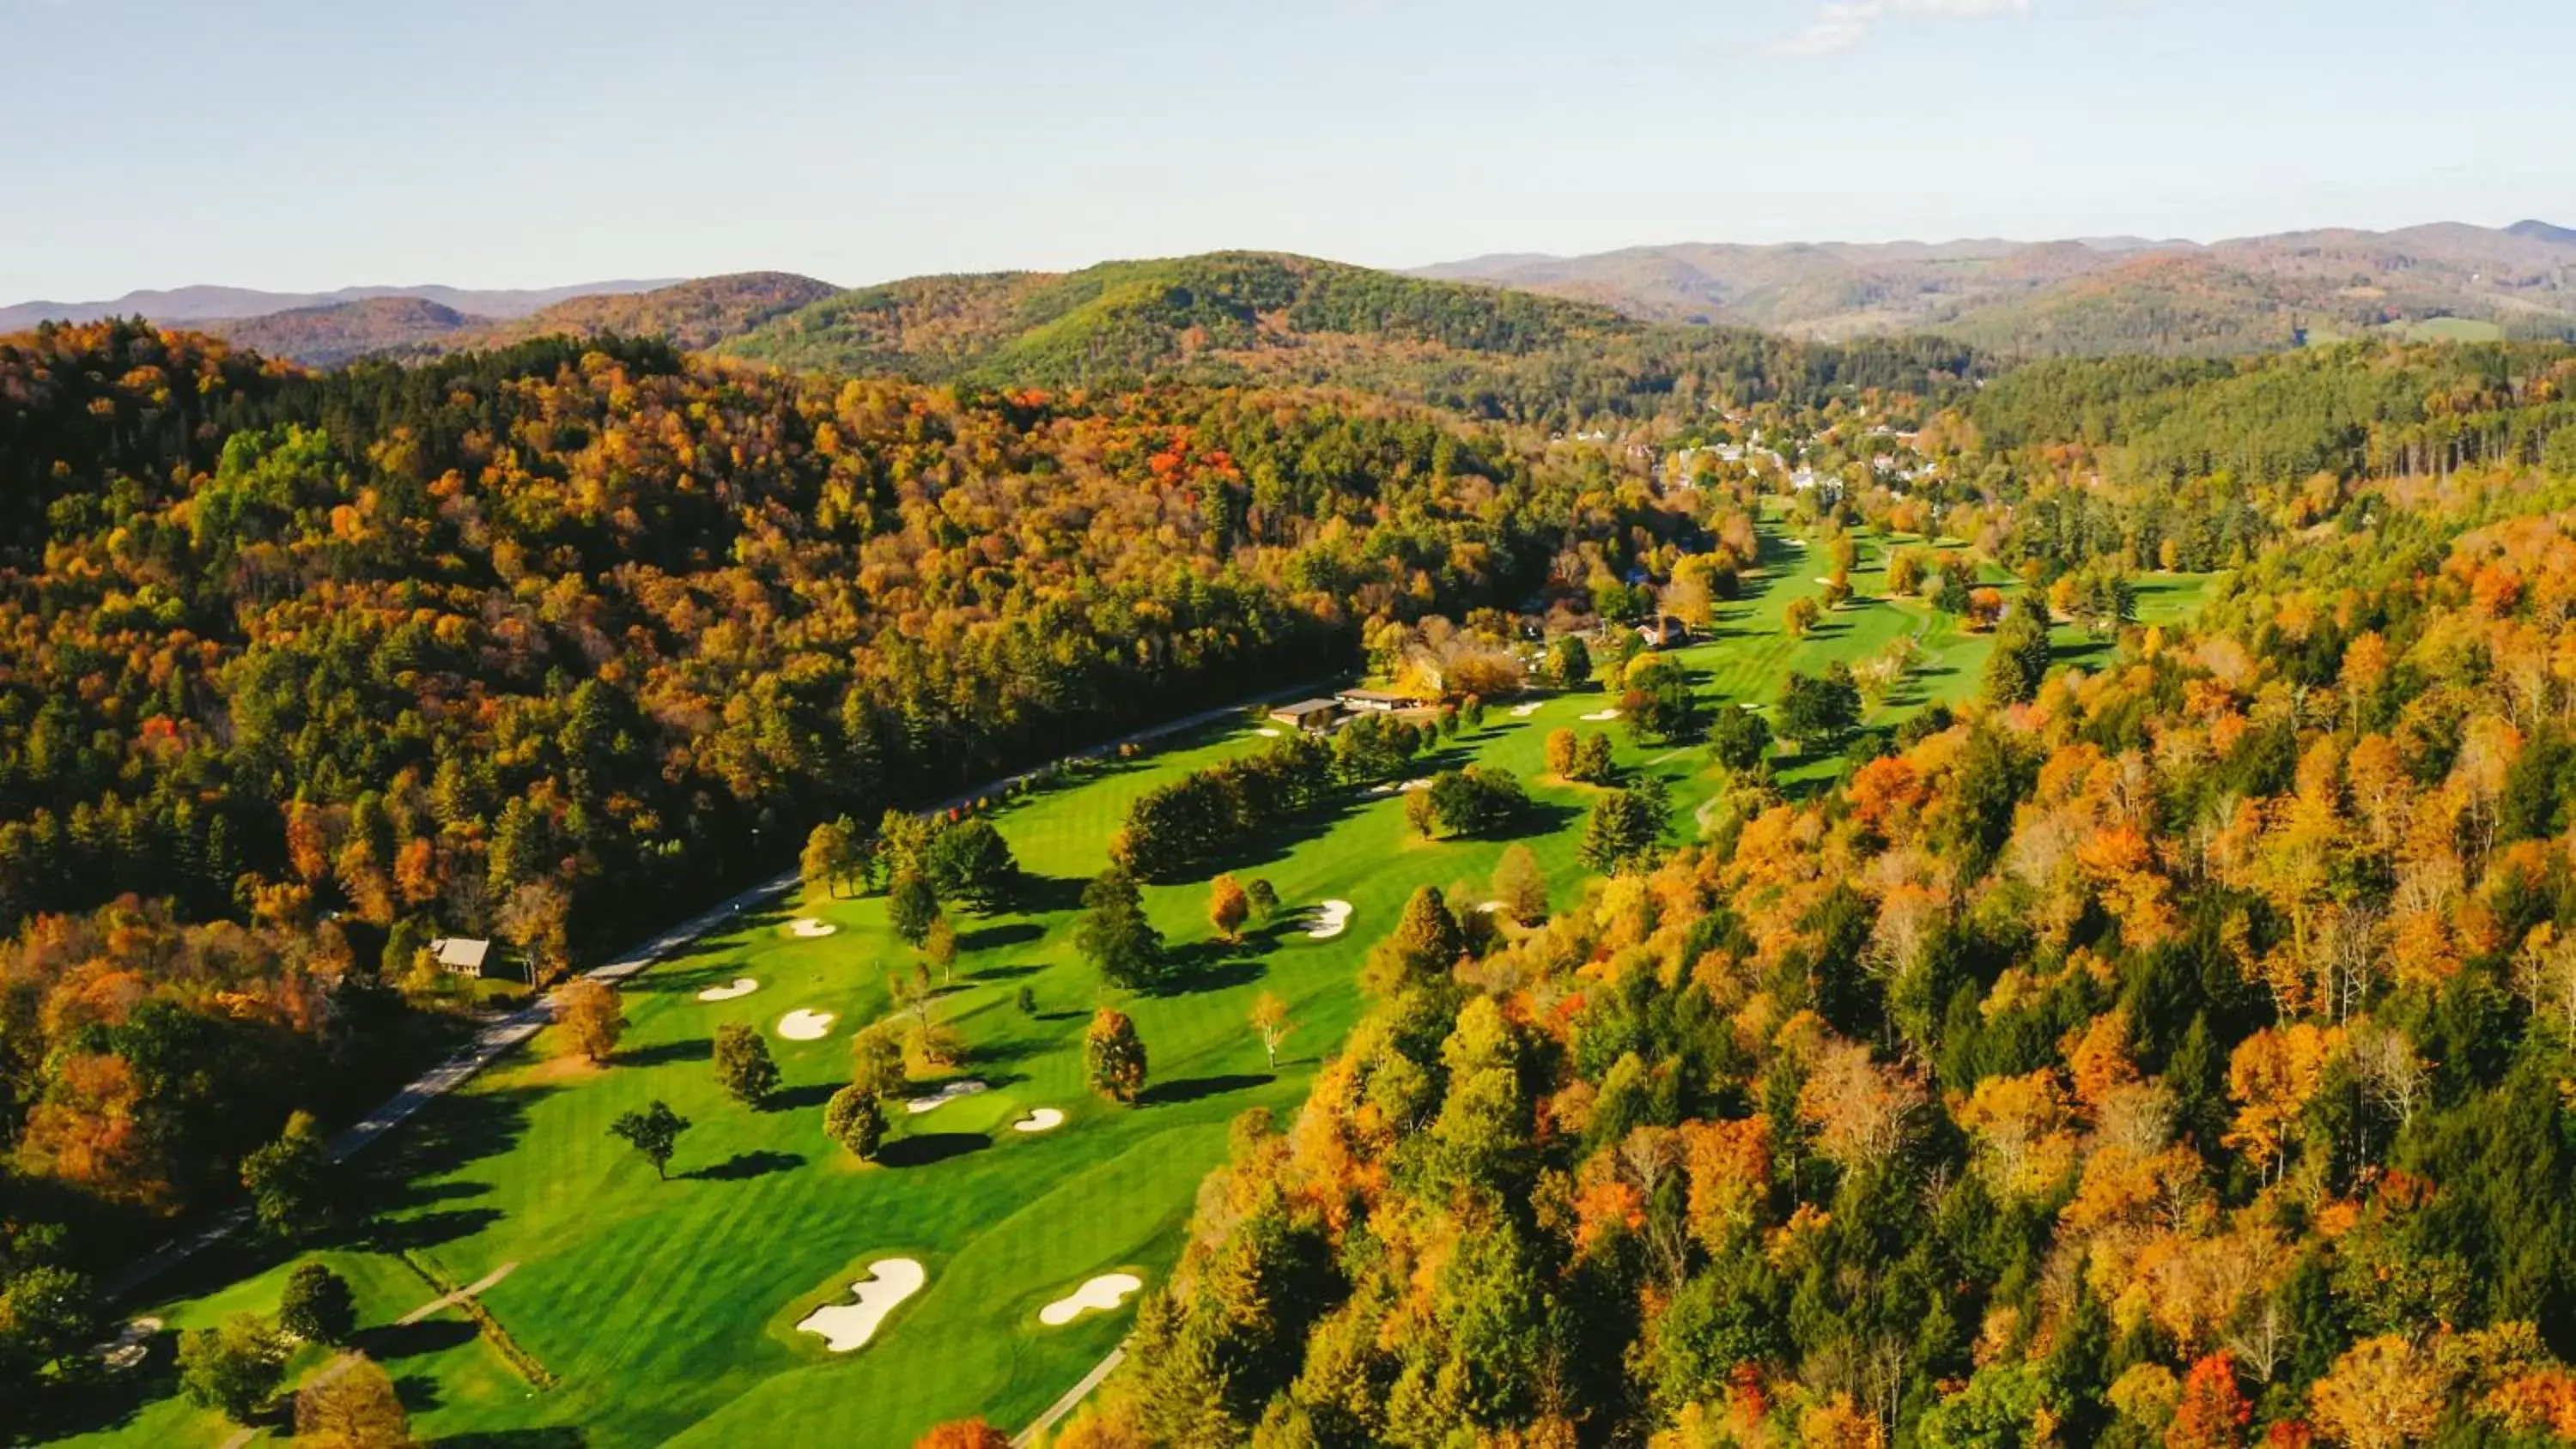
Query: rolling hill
(1225, 312)
(2117, 294)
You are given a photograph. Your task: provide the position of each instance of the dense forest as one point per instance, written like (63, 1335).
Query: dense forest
(2177, 1053)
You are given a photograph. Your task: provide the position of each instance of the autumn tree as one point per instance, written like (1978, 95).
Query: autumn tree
(1520, 885)
(1228, 906)
(964, 1434)
(1113, 1056)
(352, 1405)
(591, 1016)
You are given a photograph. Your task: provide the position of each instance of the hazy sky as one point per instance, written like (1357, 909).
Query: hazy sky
(306, 144)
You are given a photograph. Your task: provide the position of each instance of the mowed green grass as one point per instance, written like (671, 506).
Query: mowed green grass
(666, 1310)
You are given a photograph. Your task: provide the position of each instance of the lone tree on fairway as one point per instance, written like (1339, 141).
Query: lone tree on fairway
(655, 1132)
(1659, 704)
(1419, 813)
(286, 1179)
(854, 1119)
(743, 1064)
(876, 1062)
(1114, 1055)
(1799, 617)
(911, 906)
(1521, 886)
(1561, 746)
(1270, 1022)
(1114, 932)
(1228, 907)
(592, 1017)
(1264, 900)
(318, 1307)
(353, 1407)
(234, 1367)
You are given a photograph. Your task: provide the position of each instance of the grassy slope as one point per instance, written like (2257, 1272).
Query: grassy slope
(667, 1309)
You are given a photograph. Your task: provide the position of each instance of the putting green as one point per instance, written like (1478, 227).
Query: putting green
(667, 1311)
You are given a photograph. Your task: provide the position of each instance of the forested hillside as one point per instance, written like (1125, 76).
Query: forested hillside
(1237, 318)
(2173, 1049)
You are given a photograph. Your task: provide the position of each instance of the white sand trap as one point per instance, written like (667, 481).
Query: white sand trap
(742, 986)
(808, 926)
(1099, 1295)
(846, 1326)
(128, 1348)
(1823, 580)
(805, 1024)
(1040, 1119)
(1409, 786)
(1267, 733)
(1524, 711)
(1601, 716)
(1797, 543)
(1331, 919)
(1487, 908)
(962, 1087)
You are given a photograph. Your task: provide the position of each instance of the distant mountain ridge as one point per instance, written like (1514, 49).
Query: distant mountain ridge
(2094, 295)
(209, 303)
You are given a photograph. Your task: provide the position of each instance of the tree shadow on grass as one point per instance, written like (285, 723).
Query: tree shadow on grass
(744, 1166)
(1008, 933)
(1043, 895)
(429, 1230)
(409, 1340)
(1535, 819)
(931, 1147)
(1008, 973)
(419, 1393)
(801, 1099)
(1192, 1089)
(1206, 966)
(695, 1049)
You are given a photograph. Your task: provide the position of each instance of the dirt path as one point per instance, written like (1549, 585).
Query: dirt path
(1072, 1399)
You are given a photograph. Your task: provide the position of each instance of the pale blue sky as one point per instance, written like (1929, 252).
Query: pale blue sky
(306, 144)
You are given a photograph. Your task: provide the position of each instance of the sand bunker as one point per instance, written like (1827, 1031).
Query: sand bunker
(1409, 786)
(805, 1024)
(742, 986)
(1040, 1119)
(808, 926)
(962, 1087)
(1331, 919)
(1601, 716)
(1823, 580)
(846, 1326)
(1524, 711)
(1267, 733)
(131, 1344)
(1487, 908)
(1099, 1295)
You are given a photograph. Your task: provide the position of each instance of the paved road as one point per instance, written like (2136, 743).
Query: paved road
(502, 1034)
